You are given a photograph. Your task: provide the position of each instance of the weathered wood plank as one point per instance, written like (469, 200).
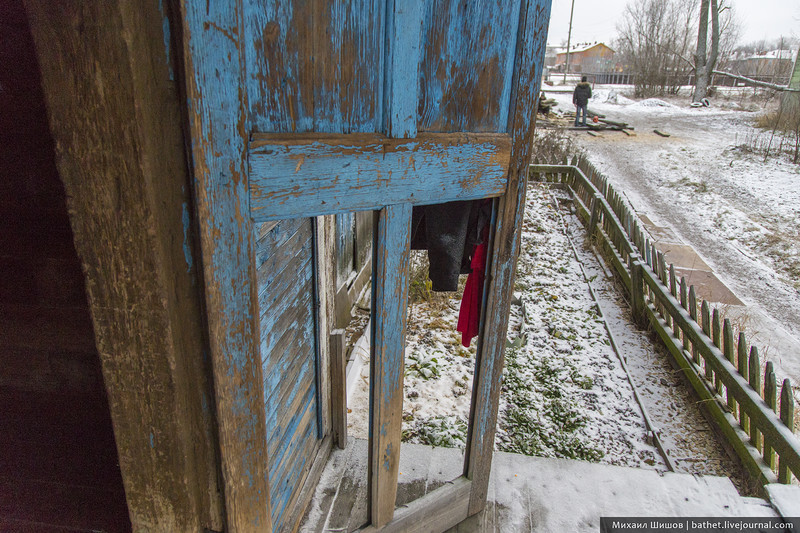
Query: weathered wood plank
(467, 74)
(404, 20)
(438, 510)
(389, 307)
(213, 56)
(313, 175)
(533, 17)
(311, 67)
(114, 116)
(303, 497)
(350, 38)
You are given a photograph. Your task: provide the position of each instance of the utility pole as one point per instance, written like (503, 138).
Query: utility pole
(569, 37)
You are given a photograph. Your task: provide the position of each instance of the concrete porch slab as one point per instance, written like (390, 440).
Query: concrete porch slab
(528, 493)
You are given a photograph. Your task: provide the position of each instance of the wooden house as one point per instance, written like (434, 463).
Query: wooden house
(587, 57)
(174, 176)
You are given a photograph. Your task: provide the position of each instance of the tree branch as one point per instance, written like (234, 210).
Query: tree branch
(757, 82)
(673, 52)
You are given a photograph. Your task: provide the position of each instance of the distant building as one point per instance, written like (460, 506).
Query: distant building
(767, 64)
(586, 57)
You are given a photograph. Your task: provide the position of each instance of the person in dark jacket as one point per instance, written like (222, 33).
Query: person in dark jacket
(580, 97)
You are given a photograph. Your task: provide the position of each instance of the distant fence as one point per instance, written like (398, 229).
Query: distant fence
(725, 373)
(678, 80)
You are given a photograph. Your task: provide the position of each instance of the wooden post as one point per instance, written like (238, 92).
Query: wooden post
(338, 388)
(390, 256)
(771, 397)
(787, 416)
(754, 379)
(596, 200)
(114, 112)
(673, 290)
(637, 291)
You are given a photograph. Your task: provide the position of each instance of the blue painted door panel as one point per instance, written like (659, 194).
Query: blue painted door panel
(284, 262)
(466, 70)
(314, 66)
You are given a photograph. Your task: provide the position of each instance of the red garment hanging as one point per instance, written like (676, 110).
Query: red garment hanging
(469, 316)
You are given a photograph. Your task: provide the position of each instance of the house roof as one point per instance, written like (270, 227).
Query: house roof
(582, 47)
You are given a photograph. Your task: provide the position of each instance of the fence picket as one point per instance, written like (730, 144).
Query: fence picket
(706, 314)
(787, 416)
(692, 313)
(771, 397)
(716, 337)
(754, 378)
(727, 349)
(741, 351)
(673, 290)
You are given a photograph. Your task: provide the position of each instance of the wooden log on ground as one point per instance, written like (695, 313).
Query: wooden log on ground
(661, 133)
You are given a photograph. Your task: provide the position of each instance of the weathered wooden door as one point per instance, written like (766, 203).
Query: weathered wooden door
(299, 109)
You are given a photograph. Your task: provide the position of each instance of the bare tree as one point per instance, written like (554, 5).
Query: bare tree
(655, 36)
(704, 62)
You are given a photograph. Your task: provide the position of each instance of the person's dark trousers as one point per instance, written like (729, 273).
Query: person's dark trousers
(578, 110)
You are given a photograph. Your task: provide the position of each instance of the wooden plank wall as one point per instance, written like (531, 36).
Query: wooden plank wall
(288, 349)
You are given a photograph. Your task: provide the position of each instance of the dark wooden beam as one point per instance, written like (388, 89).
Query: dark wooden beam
(115, 116)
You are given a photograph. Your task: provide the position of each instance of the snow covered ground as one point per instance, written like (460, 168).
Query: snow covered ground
(739, 212)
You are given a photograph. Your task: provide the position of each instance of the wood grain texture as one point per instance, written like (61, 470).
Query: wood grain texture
(323, 174)
(468, 64)
(114, 113)
(391, 252)
(311, 66)
(212, 50)
(404, 25)
(534, 16)
(285, 262)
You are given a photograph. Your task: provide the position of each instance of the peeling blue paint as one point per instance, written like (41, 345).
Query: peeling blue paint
(187, 249)
(152, 440)
(315, 177)
(167, 38)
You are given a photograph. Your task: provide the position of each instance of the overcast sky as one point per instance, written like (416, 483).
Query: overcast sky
(596, 20)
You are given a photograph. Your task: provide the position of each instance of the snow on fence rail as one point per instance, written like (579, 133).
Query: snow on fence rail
(723, 372)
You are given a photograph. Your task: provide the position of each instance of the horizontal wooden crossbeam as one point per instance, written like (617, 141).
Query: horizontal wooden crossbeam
(319, 174)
